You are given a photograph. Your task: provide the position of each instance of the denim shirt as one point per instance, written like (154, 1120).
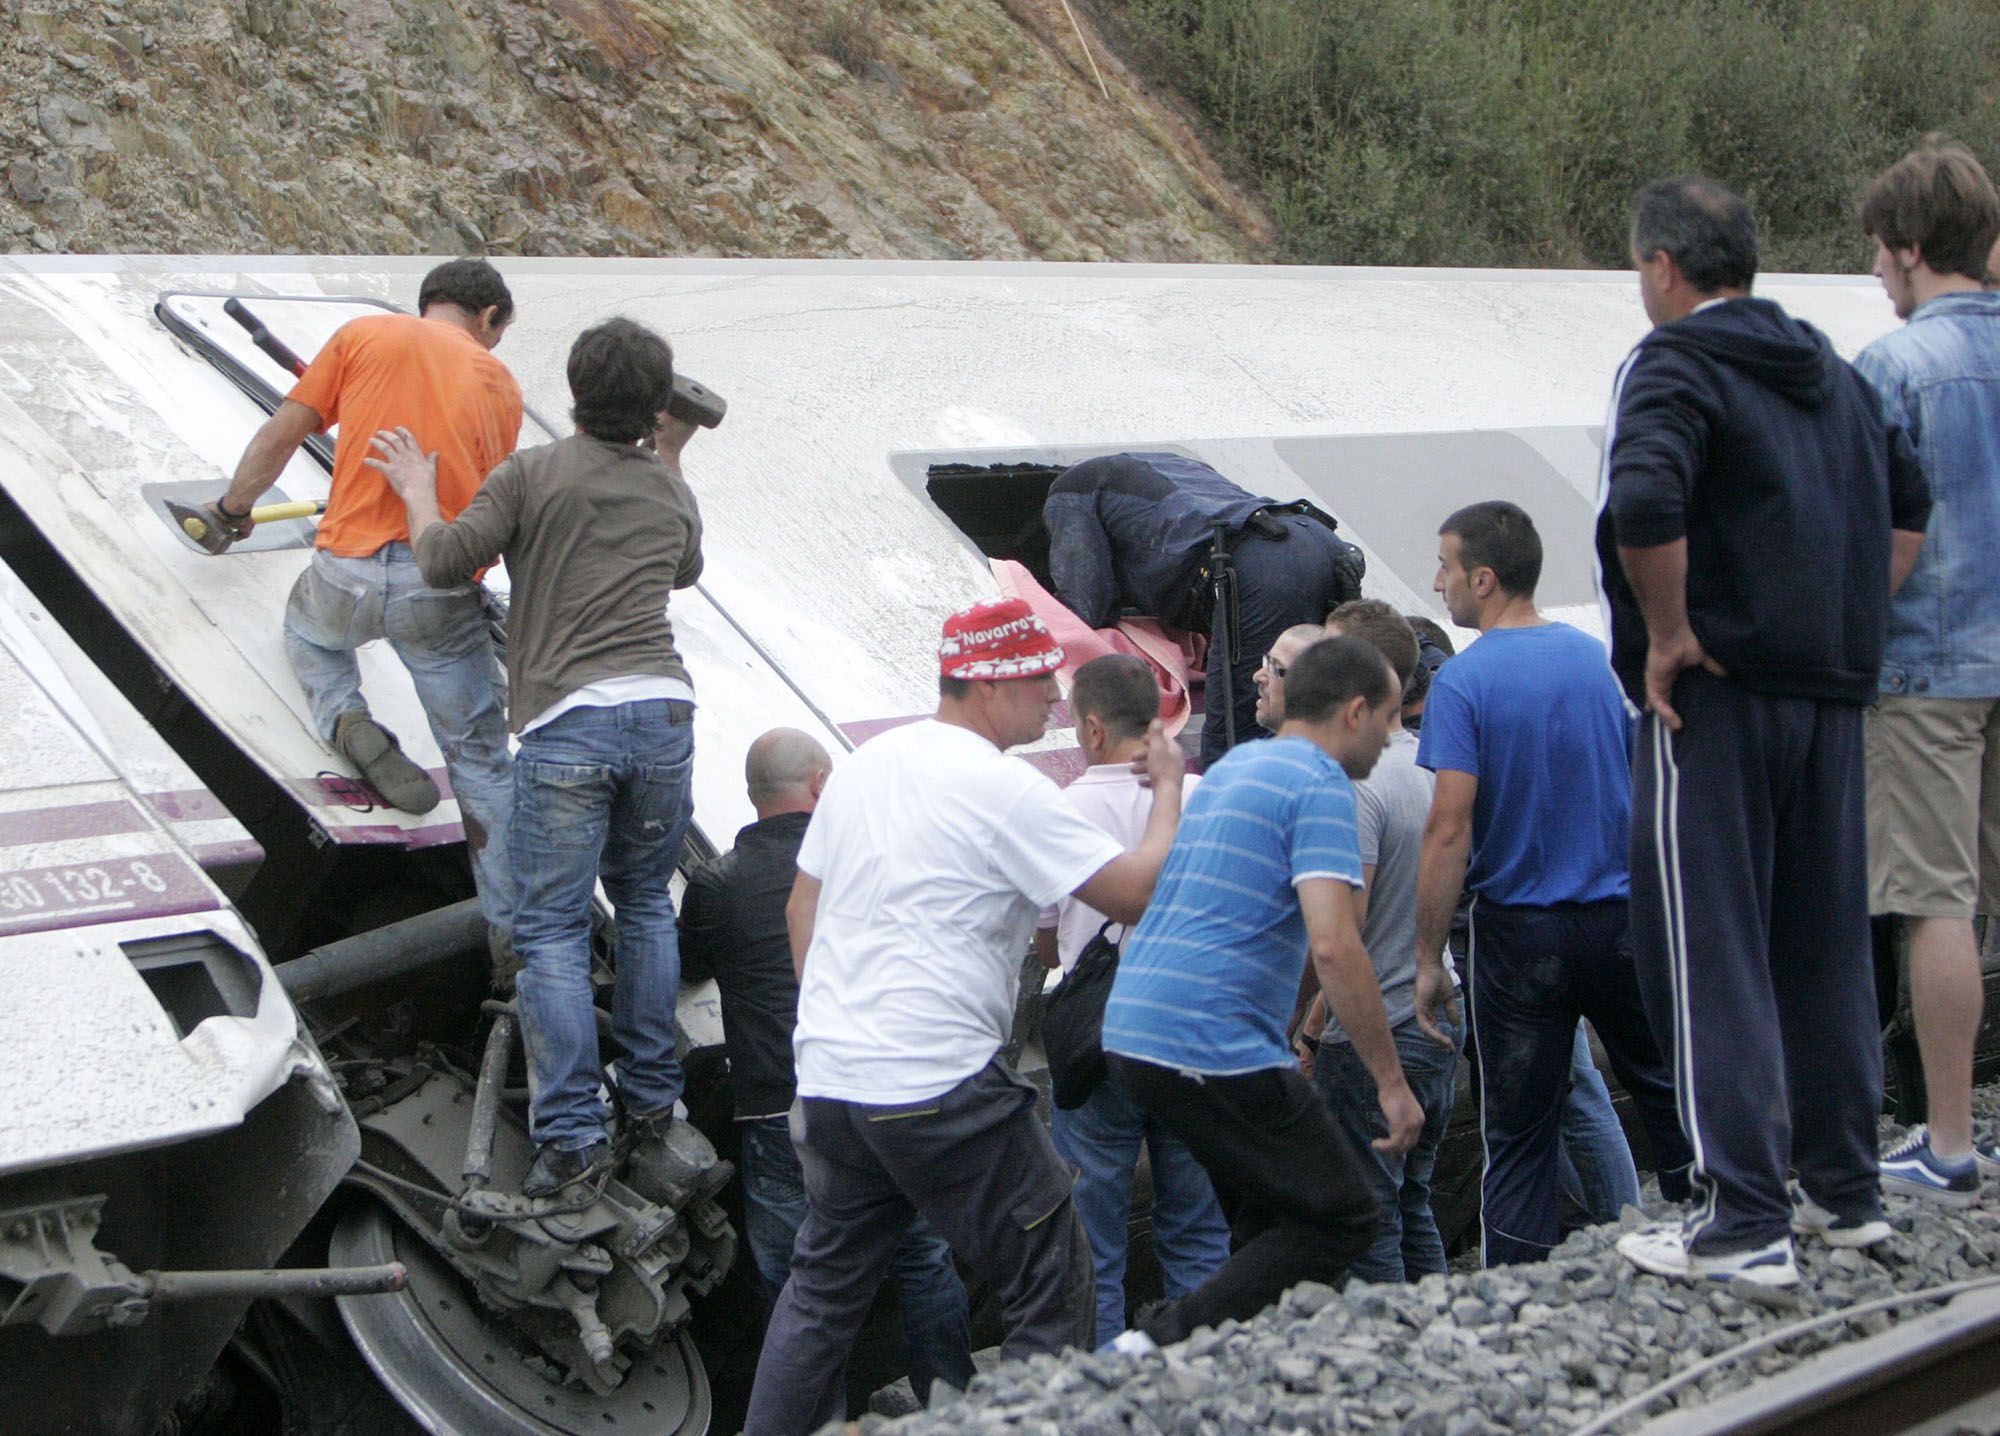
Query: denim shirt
(1939, 375)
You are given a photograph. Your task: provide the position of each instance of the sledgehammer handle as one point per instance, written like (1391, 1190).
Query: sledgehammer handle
(197, 529)
(263, 338)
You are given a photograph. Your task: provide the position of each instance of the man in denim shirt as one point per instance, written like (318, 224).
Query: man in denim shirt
(1934, 737)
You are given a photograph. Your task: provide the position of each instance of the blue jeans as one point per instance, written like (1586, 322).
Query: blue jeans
(937, 1324)
(599, 792)
(337, 605)
(1408, 1244)
(1597, 1171)
(1190, 1235)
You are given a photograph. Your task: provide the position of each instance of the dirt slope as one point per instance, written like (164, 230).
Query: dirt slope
(877, 128)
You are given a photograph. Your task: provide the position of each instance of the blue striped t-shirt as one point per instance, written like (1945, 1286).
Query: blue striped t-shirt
(1207, 980)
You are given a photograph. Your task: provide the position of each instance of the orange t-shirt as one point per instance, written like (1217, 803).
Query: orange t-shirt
(432, 378)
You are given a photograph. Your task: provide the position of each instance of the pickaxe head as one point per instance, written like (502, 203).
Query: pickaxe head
(200, 526)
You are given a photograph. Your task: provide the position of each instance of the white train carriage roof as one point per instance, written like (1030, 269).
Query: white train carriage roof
(1388, 396)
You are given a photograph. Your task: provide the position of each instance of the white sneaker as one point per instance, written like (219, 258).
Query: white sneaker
(1662, 1251)
(1811, 1219)
(1134, 1343)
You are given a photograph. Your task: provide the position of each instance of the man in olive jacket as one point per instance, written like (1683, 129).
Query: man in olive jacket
(597, 530)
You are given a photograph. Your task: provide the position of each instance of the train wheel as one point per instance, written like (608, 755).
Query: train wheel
(458, 1370)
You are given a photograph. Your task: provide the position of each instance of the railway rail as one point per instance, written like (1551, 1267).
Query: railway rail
(1937, 1374)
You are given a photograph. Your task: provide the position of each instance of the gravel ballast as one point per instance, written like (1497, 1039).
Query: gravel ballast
(1546, 1347)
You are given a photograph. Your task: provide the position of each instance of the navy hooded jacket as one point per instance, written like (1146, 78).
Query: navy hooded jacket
(1739, 429)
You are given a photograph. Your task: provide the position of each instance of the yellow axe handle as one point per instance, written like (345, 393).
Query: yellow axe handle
(263, 514)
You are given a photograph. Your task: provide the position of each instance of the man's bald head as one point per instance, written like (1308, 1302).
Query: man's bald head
(785, 771)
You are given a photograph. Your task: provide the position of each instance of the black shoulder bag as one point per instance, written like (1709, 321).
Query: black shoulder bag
(1073, 1022)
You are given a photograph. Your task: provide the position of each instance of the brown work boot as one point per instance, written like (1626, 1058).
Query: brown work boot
(374, 750)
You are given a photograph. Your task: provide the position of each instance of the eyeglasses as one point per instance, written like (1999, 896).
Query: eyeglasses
(1275, 668)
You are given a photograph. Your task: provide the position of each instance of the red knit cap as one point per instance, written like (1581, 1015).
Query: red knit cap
(1002, 639)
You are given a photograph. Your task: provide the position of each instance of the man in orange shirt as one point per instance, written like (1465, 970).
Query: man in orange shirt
(436, 376)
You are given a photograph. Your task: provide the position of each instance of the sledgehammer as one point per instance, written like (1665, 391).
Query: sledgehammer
(195, 523)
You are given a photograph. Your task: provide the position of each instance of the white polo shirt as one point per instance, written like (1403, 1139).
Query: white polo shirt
(934, 851)
(1112, 797)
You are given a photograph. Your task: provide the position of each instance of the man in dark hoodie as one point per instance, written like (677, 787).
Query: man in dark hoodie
(1138, 531)
(1757, 514)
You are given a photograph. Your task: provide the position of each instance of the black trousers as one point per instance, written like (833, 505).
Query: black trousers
(979, 1165)
(1532, 971)
(1299, 1207)
(1750, 923)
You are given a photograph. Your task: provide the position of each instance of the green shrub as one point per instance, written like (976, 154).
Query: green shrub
(1513, 132)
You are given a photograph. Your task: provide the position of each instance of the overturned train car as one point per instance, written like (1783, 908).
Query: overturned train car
(892, 430)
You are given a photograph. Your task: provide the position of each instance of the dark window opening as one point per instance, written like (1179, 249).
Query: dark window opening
(998, 507)
(197, 975)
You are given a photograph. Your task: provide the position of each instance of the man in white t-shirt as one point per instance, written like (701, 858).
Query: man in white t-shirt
(919, 879)
(1114, 700)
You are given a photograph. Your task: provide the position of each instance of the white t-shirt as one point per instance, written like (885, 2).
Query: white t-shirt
(610, 693)
(1112, 797)
(934, 850)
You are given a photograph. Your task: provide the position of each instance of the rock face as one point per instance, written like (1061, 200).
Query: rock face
(864, 128)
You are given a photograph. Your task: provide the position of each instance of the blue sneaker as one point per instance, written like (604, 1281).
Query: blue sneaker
(1912, 1168)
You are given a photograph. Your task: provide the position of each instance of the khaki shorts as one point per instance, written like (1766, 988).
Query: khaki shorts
(1934, 806)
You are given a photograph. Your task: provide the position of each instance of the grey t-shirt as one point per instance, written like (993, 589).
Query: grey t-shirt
(1391, 806)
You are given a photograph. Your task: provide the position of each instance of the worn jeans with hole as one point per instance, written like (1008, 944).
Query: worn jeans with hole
(1408, 1244)
(937, 1325)
(441, 635)
(599, 792)
(1101, 1139)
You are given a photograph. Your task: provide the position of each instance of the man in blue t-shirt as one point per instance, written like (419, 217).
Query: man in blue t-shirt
(1530, 740)
(1263, 875)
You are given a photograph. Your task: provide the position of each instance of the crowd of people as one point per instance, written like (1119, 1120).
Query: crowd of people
(1679, 849)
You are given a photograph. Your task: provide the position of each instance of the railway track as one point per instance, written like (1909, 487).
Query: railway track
(1932, 1374)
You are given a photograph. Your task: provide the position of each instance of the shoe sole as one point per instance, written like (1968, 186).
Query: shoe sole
(1923, 1191)
(389, 770)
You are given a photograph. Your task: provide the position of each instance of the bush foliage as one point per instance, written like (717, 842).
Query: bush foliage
(1514, 132)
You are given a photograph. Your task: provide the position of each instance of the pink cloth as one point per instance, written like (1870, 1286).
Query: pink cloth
(1176, 658)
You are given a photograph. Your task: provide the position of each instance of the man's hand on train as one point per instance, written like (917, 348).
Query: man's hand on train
(400, 459)
(237, 526)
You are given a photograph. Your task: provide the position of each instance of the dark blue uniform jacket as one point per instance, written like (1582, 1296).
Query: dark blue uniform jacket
(1131, 530)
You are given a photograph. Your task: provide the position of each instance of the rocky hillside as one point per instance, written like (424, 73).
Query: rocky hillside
(872, 128)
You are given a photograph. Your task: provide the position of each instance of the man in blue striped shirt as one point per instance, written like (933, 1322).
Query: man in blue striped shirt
(1265, 873)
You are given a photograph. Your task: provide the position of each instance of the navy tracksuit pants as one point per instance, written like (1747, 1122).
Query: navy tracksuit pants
(1531, 972)
(1750, 922)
